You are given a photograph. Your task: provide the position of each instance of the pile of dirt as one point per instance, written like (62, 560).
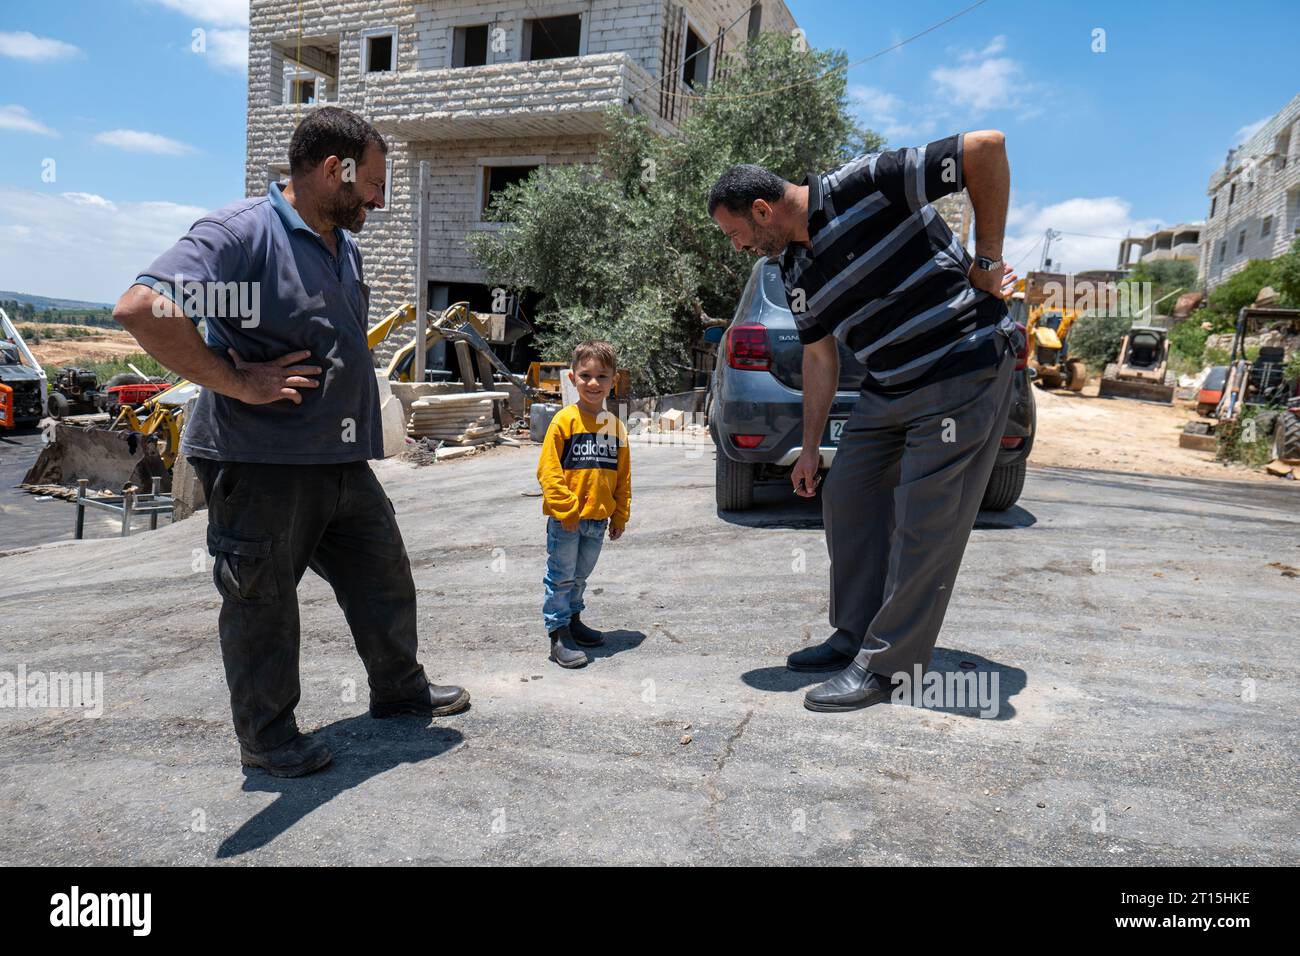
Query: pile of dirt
(1080, 430)
(100, 344)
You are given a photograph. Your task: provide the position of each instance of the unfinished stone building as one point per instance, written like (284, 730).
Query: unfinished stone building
(1180, 242)
(1254, 200)
(485, 90)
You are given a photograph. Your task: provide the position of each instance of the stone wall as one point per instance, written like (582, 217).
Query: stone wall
(1258, 185)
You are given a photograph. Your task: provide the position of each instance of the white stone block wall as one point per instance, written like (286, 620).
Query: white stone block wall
(424, 36)
(1267, 184)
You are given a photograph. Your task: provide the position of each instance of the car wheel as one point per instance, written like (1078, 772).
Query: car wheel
(734, 483)
(58, 405)
(1004, 487)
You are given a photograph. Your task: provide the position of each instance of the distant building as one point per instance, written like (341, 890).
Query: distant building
(1182, 241)
(1254, 200)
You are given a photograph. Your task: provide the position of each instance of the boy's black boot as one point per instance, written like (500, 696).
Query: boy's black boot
(584, 635)
(564, 651)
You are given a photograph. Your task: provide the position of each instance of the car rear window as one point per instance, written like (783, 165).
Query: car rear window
(773, 287)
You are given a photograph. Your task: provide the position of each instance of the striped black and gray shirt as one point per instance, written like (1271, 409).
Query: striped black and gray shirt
(886, 276)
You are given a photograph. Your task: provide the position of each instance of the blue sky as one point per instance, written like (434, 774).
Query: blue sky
(145, 133)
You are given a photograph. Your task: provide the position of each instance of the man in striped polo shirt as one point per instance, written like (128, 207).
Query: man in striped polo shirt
(869, 263)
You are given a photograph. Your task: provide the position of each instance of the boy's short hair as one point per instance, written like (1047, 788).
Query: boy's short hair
(602, 352)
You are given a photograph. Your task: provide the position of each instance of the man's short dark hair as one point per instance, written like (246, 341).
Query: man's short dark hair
(739, 186)
(330, 131)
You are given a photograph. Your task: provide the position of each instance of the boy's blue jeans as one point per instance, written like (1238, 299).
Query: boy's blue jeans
(570, 557)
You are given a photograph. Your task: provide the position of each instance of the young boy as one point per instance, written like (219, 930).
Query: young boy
(586, 477)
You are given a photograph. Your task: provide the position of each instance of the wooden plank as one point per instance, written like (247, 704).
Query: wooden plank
(466, 366)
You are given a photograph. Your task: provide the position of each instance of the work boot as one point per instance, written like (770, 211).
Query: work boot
(300, 756)
(821, 657)
(564, 650)
(436, 701)
(584, 635)
(853, 688)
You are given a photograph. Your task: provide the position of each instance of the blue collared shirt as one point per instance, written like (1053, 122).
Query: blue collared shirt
(266, 284)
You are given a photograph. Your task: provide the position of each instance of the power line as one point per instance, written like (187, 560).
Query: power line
(832, 70)
(1088, 235)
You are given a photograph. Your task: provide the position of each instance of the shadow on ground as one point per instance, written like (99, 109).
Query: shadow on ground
(362, 747)
(615, 643)
(947, 664)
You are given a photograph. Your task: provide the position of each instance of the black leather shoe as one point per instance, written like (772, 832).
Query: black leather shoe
(438, 701)
(564, 650)
(300, 756)
(583, 635)
(853, 688)
(819, 657)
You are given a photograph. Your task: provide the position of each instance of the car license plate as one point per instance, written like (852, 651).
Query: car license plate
(834, 429)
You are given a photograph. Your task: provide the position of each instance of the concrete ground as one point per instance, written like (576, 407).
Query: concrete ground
(1142, 631)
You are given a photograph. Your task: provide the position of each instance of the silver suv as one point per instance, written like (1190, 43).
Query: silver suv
(755, 401)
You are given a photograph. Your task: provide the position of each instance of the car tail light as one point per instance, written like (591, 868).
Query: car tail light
(747, 441)
(1023, 358)
(747, 348)
(1011, 441)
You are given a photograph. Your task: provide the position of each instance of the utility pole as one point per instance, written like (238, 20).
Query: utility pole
(1048, 237)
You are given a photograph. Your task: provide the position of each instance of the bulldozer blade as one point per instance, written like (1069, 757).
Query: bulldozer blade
(106, 459)
(1142, 391)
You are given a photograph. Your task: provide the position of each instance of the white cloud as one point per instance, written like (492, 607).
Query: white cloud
(228, 48)
(90, 199)
(888, 115)
(19, 120)
(224, 13)
(976, 82)
(137, 141)
(1093, 228)
(983, 81)
(1249, 130)
(80, 245)
(981, 86)
(28, 46)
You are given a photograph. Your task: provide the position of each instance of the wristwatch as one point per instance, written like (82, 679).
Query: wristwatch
(987, 264)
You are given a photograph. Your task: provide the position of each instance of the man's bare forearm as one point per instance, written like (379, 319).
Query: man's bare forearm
(163, 330)
(821, 375)
(987, 176)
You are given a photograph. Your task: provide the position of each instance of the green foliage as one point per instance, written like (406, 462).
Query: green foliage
(624, 248)
(1096, 339)
(26, 312)
(1215, 356)
(1286, 276)
(1166, 277)
(1187, 341)
(1235, 439)
(1240, 290)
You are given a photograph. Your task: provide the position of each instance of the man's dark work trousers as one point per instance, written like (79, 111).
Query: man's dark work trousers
(266, 525)
(899, 504)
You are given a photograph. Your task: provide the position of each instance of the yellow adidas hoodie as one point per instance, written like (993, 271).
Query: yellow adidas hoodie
(586, 467)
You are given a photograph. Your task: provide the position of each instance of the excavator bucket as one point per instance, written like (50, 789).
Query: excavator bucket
(108, 460)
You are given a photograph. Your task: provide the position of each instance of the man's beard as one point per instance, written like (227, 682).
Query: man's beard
(768, 241)
(346, 209)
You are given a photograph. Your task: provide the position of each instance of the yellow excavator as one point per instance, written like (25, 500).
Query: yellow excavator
(1048, 330)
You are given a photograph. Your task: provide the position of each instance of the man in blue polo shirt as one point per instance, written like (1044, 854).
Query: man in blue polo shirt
(869, 263)
(282, 430)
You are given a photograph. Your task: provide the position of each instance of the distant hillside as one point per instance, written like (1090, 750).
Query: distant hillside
(41, 302)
